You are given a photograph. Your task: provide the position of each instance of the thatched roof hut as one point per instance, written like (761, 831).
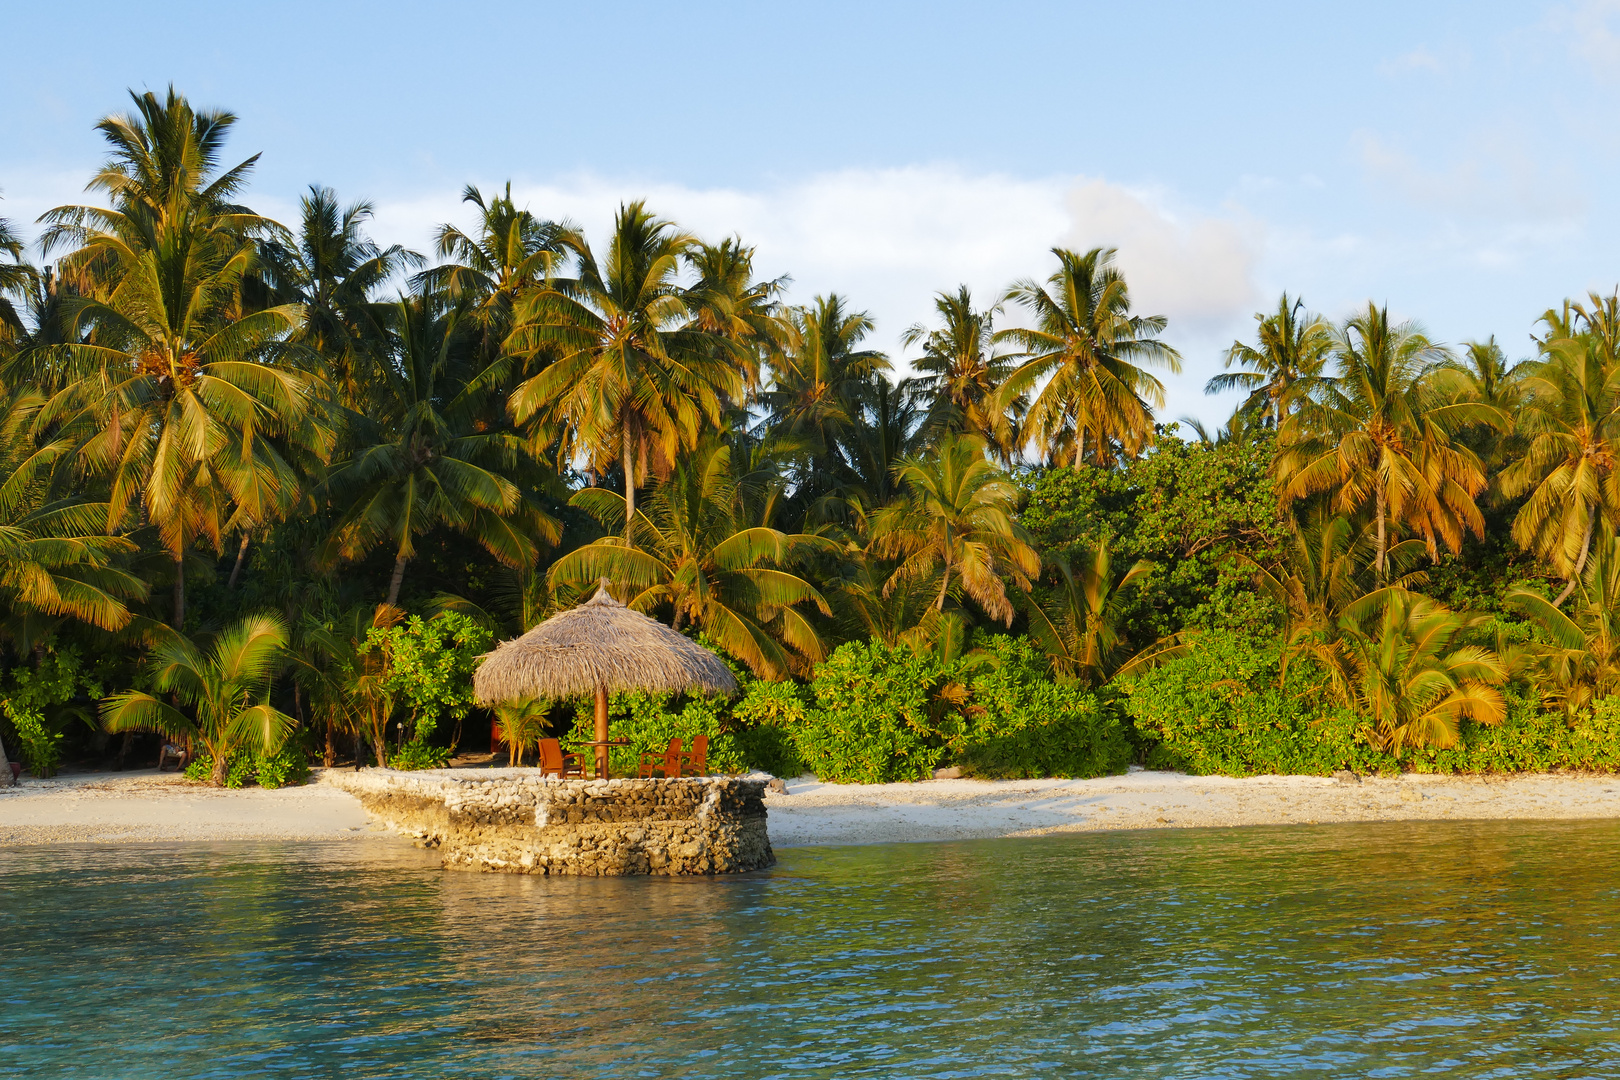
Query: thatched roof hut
(599, 644)
(597, 648)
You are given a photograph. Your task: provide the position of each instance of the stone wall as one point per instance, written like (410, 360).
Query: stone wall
(515, 821)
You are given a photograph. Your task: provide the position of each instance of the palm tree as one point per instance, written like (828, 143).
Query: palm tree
(1292, 346)
(16, 281)
(1077, 624)
(1409, 676)
(226, 684)
(181, 407)
(957, 525)
(710, 556)
(345, 677)
(332, 272)
(1582, 657)
(1375, 439)
(1091, 347)
(820, 386)
(1571, 418)
(509, 253)
(428, 464)
(522, 724)
(961, 373)
(55, 559)
(634, 377)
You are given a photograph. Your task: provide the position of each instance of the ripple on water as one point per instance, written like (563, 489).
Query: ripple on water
(1463, 949)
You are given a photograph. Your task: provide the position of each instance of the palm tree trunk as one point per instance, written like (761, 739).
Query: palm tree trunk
(180, 594)
(629, 484)
(217, 778)
(6, 779)
(399, 576)
(1580, 563)
(1383, 540)
(944, 587)
(241, 557)
(1079, 446)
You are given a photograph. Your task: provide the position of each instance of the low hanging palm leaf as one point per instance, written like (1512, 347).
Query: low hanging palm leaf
(226, 685)
(1581, 661)
(1406, 674)
(55, 561)
(696, 553)
(1077, 622)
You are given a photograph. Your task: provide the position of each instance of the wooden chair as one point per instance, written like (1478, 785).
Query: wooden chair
(696, 762)
(553, 762)
(669, 762)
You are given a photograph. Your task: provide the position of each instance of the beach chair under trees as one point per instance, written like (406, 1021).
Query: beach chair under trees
(553, 762)
(669, 762)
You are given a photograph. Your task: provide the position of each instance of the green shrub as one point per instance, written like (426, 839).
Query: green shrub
(1530, 739)
(766, 723)
(871, 722)
(1022, 723)
(1219, 710)
(419, 754)
(39, 746)
(288, 767)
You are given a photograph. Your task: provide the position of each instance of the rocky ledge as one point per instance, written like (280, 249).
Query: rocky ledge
(515, 821)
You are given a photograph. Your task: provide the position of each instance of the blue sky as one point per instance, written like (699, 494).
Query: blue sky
(1450, 159)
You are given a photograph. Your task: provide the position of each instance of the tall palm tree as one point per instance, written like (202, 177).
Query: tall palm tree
(1291, 348)
(961, 372)
(634, 377)
(1090, 349)
(1571, 419)
(176, 388)
(704, 550)
(1375, 439)
(507, 253)
(332, 270)
(729, 301)
(820, 386)
(430, 462)
(956, 527)
(226, 685)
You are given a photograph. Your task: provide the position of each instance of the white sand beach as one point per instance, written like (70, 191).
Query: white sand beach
(145, 806)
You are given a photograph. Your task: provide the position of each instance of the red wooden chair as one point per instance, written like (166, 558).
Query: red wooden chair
(696, 762)
(669, 762)
(553, 762)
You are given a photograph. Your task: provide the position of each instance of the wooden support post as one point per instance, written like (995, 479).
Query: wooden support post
(601, 733)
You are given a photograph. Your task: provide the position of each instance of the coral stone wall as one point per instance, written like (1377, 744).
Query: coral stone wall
(514, 821)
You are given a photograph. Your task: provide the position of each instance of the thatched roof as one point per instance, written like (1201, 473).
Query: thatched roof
(599, 643)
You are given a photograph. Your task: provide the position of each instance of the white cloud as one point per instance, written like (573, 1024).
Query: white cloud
(1591, 33)
(1195, 270)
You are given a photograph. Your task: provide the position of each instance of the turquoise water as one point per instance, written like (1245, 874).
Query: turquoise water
(1479, 950)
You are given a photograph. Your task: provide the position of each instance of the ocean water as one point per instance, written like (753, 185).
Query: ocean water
(1391, 950)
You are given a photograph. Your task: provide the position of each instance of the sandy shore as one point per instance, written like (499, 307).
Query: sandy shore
(146, 806)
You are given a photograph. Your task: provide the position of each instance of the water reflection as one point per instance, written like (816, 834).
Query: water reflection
(1464, 949)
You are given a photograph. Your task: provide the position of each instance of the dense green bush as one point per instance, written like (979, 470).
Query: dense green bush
(1532, 739)
(870, 719)
(1024, 724)
(1220, 709)
(287, 767)
(766, 723)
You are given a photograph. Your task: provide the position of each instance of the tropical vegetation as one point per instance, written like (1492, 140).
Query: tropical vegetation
(268, 490)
